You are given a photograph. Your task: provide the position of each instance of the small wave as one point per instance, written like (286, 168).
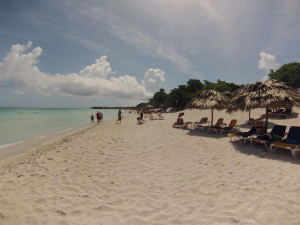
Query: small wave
(62, 131)
(10, 144)
(40, 137)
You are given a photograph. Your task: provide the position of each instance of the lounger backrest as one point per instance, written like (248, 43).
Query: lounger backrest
(232, 123)
(219, 122)
(294, 133)
(278, 130)
(262, 117)
(287, 111)
(203, 120)
(179, 121)
(250, 132)
(279, 111)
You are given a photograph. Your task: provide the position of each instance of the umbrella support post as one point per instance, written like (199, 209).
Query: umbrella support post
(267, 119)
(212, 116)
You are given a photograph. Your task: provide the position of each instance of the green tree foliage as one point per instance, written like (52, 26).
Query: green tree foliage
(194, 85)
(289, 73)
(180, 96)
(142, 105)
(209, 85)
(222, 86)
(159, 98)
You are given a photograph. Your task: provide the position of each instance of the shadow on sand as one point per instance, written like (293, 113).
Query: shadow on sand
(258, 149)
(210, 134)
(248, 126)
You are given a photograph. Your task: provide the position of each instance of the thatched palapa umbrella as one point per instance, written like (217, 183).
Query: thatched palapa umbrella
(209, 99)
(267, 94)
(231, 107)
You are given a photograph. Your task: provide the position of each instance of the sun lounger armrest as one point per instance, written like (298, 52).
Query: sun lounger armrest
(223, 125)
(237, 127)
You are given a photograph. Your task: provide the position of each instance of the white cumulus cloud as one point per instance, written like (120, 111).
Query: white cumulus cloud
(153, 79)
(19, 70)
(101, 68)
(267, 62)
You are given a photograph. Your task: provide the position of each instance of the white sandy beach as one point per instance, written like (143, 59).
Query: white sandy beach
(151, 174)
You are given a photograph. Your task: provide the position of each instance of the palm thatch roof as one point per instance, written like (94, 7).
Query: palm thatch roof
(208, 99)
(267, 94)
(270, 94)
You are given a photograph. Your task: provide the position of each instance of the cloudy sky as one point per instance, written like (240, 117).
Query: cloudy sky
(74, 53)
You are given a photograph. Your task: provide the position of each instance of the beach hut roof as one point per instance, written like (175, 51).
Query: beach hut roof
(207, 99)
(270, 93)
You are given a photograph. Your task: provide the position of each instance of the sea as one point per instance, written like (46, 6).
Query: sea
(19, 124)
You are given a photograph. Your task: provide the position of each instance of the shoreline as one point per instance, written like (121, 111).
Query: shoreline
(12, 151)
(19, 124)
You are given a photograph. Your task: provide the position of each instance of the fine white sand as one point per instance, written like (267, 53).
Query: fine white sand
(151, 174)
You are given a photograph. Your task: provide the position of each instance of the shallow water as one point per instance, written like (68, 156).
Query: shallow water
(17, 124)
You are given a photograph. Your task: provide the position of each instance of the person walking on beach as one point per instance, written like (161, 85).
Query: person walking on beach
(98, 117)
(92, 119)
(142, 114)
(119, 117)
(101, 117)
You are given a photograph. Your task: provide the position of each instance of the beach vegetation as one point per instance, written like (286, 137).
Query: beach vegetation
(288, 73)
(194, 85)
(180, 96)
(159, 98)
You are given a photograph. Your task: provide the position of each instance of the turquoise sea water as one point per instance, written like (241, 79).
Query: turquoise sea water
(18, 124)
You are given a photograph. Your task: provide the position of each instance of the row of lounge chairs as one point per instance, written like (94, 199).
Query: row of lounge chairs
(159, 116)
(273, 140)
(141, 120)
(276, 138)
(219, 127)
(282, 113)
(255, 121)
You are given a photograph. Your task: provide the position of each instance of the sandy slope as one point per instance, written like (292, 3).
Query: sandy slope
(151, 174)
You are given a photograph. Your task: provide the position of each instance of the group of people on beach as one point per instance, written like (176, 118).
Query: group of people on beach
(99, 117)
(119, 119)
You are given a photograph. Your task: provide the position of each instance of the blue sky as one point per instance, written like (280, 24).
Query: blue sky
(74, 53)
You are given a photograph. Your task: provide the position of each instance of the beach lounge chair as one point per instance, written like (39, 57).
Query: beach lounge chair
(277, 133)
(273, 114)
(253, 121)
(179, 123)
(217, 124)
(224, 127)
(151, 117)
(242, 136)
(140, 120)
(160, 116)
(285, 113)
(187, 126)
(295, 151)
(291, 142)
(203, 121)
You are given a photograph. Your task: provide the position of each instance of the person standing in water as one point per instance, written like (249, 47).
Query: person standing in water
(119, 117)
(92, 119)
